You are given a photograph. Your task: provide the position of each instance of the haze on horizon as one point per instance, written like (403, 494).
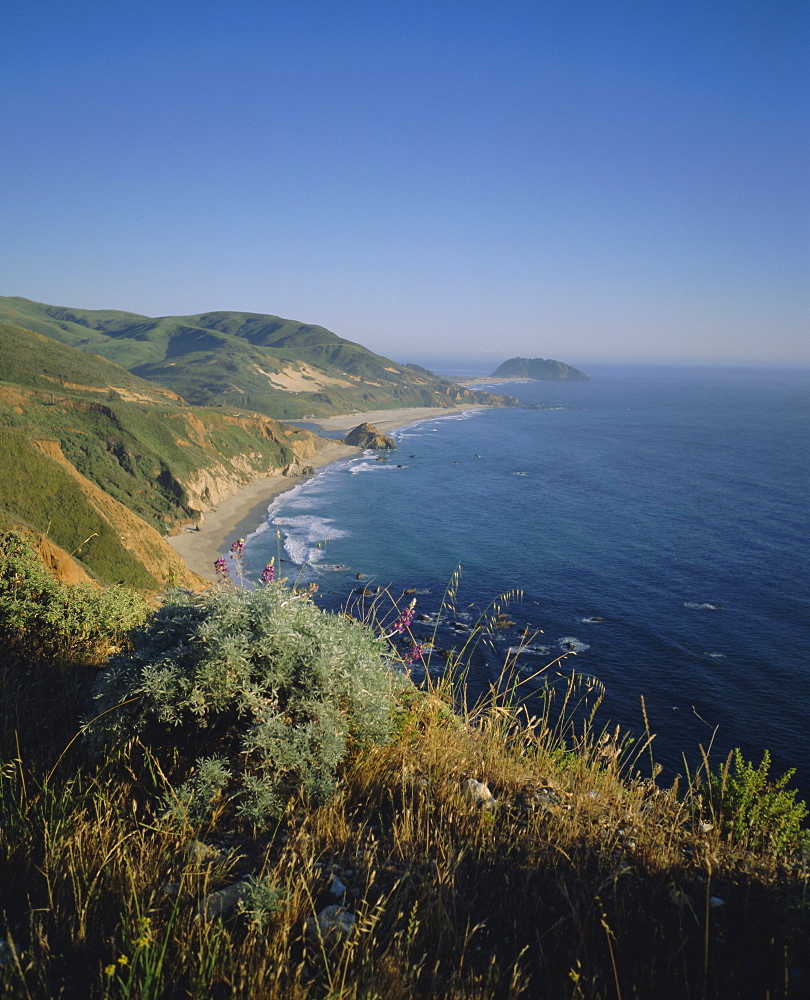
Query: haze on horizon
(576, 179)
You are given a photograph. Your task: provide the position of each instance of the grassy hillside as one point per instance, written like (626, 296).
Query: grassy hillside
(266, 811)
(39, 362)
(38, 492)
(257, 362)
(65, 415)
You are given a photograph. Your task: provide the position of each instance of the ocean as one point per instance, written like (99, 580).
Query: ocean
(655, 521)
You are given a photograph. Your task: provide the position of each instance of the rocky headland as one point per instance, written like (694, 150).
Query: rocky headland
(367, 436)
(539, 369)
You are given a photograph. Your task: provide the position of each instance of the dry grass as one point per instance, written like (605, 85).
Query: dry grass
(585, 881)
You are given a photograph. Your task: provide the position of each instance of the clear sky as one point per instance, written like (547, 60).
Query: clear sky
(576, 179)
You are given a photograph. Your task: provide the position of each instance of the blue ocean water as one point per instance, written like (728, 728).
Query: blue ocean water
(655, 520)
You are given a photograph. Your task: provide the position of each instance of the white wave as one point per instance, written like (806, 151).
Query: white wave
(708, 607)
(305, 535)
(289, 496)
(715, 656)
(373, 467)
(568, 644)
(307, 494)
(532, 650)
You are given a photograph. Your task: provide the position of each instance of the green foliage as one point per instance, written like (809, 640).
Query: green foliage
(260, 902)
(223, 359)
(41, 362)
(194, 801)
(756, 812)
(124, 434)
(43, 613)
(40, 493)
(272, 690)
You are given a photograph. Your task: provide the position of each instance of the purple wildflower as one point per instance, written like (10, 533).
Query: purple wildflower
(238, 548)
(414, 654)
(269, 572)
(404, 621)
(222, 569)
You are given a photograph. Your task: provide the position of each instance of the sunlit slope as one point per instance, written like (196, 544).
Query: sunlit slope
(78, 430)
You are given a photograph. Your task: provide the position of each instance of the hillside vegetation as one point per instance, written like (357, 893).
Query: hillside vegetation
(250, 799)
(278, 367)
(104, 463)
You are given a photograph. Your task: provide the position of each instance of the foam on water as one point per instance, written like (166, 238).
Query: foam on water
(375, 467)
(304, 536)
(568, 644)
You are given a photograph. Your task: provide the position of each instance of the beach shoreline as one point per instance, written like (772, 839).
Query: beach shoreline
(243, 512)
(389, 420)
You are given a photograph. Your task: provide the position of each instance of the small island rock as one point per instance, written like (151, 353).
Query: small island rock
(541, 369)
(367, 436)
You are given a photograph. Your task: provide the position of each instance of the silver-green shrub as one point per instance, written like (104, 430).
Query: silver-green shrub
(262, 682)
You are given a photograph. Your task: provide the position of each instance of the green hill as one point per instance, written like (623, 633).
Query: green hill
(90, 450)
(262, 363)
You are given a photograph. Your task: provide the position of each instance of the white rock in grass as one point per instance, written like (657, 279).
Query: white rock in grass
(715, 902)
(217, 903)
(332, 921)
(336, 887)
(479, 794)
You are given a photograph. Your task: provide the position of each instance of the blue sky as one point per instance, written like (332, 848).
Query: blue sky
(452, 178)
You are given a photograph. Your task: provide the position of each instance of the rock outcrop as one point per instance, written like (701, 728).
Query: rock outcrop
(367, 436)
(541, 369)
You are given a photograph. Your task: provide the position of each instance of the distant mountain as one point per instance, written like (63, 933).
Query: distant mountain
(262, 363)
(538, 368)
(102, 463)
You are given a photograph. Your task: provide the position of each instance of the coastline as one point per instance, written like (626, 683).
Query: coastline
(244, 511)
(389, 420)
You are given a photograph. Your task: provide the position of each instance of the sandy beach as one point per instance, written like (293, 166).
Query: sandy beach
(387, 420)
(244, 511)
